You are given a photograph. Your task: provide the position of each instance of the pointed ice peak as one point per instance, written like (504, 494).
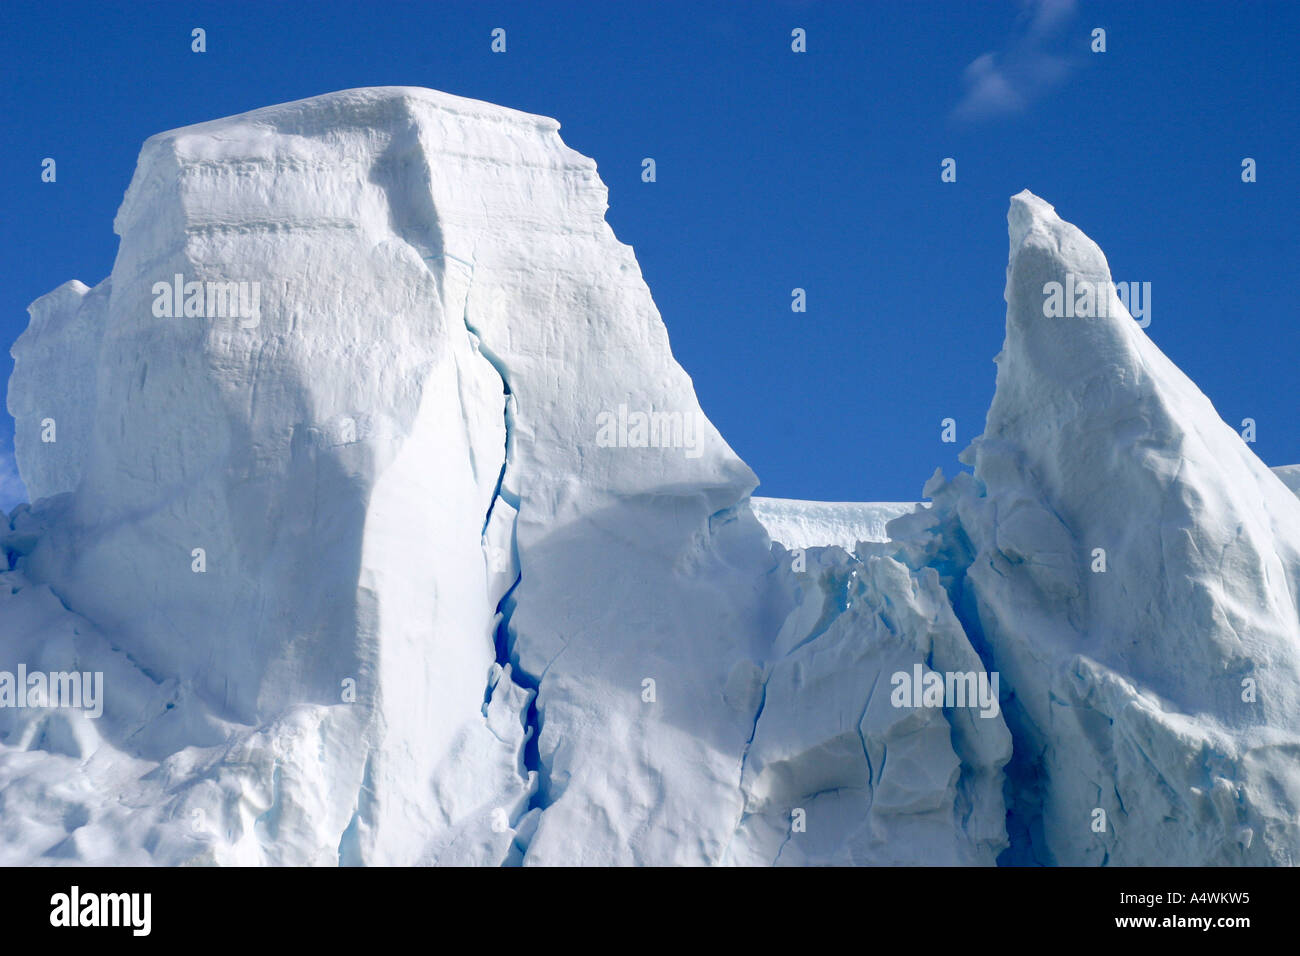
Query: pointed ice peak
(1093, 426)
(1056, 247)
(1067, 329)
(1135, 571)
(1026, 210)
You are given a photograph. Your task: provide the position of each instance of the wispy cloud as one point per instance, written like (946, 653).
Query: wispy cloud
(1006, 81)
(12, 490)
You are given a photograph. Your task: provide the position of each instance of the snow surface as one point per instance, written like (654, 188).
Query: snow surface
(813, 524)
(567, 653)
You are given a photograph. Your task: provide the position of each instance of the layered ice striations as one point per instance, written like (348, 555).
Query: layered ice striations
(365, 588)
(819, 524)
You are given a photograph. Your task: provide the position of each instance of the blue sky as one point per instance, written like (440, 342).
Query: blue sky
(775, 170)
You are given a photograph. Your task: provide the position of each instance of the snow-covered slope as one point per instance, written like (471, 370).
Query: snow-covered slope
(432, 557)
(814, 524)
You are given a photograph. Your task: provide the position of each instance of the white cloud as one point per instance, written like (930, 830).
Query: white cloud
(1047, 16)
(1003, 82)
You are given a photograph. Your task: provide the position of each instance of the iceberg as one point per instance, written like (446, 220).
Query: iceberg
(368, 490)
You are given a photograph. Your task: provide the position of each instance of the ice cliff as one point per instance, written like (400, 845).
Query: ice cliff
(368, 482)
